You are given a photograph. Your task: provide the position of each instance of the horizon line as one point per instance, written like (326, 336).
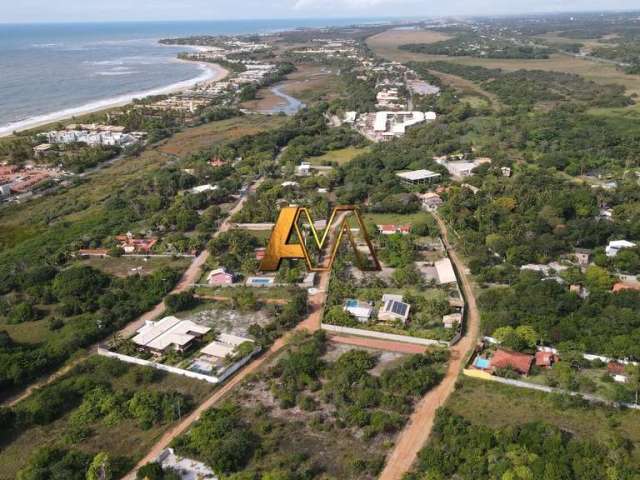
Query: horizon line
(346, 17)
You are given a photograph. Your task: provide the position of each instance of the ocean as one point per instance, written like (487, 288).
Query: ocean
(51, 71)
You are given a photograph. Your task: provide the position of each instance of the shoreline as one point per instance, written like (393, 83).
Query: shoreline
(211, 72)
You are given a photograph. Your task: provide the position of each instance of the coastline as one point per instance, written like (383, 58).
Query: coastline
(211, 72)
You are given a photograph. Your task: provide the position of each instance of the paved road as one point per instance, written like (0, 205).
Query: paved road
(190, 276)
(417, 431)
(311, 323)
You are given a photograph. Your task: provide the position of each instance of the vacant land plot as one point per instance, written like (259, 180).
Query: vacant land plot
(340, 157)
(386, 45)
(495, 405)
(125, 266)
(317, 411)
(193, 139)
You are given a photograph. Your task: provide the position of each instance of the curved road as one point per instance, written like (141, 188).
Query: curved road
(418, 429)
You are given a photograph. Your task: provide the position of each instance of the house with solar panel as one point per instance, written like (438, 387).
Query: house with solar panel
(393, 309)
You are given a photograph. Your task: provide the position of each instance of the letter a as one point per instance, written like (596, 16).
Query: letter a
(278, 247)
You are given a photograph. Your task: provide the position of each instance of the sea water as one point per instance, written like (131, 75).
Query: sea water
(50, 71)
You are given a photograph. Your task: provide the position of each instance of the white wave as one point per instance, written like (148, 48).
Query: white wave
(209, 72)
(44, 45)
(115, 73)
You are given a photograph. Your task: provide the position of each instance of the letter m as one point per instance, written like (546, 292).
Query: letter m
(280, 246)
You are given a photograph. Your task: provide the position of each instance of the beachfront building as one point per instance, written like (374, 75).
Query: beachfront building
(94, 135)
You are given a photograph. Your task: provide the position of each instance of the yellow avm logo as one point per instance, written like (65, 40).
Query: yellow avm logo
(282, 245)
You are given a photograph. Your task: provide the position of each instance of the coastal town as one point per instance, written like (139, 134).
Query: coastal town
(465, 269)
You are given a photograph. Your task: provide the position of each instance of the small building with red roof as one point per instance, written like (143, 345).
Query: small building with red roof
(546, 359)
(520, 362)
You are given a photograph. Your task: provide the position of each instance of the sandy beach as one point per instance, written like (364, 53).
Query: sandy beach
(211, 72)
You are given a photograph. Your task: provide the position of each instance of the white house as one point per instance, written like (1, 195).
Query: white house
(616, 245)
(361, 310)
(418, 176)
(446, 274)
(393, 309)
(449, 321)
(169, 332)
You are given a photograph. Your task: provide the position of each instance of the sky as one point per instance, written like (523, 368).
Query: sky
(27, 11)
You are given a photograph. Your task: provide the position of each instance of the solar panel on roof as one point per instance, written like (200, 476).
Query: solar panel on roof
(398, 308)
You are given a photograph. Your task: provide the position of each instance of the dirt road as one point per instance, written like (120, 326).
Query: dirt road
(311, 323)
(417, 431)
(189, 277)
(389, 346)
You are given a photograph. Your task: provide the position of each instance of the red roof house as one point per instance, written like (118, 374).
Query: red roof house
(520, 362)
(390, 229)
(260, 252)
(545, 359)
(621, 286)
(615, 368)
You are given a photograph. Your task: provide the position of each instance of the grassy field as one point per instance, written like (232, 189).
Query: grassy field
(386, 45)
(75, 208)
(124, 440)
(496, 405)
(342, 156)
(124, 266)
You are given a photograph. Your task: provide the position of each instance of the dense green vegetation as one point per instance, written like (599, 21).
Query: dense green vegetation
(474, 45)
(246, 438)
(86, 306)
(98, 398)
(525, 88)
(460, 449)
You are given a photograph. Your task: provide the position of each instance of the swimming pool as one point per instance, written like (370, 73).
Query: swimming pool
(351, 303)
(482, 363)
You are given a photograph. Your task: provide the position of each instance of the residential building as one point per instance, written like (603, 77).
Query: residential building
(616, 245)
(204, 188)
(582, 256)
(391, 229)
(220, 276)
(545, 359)
(617, 372)
(308, 281)
(130, 244)
(418, 177)
(361, 310)
(226, 344)
(451, 320)
(445, 271)
(170, 332)
(431, 200)
(520, 362)
(622, 286)
(394, 309)
(186, 468)
(5, 190)
(304, 169)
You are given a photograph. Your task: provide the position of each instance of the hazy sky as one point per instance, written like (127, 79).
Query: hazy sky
(103, 10)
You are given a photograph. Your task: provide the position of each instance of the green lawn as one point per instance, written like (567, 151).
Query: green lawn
(496, 405)
(123, 266)
(340, 157)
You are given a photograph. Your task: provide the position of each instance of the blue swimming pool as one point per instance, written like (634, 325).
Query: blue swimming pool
(351, 303)
(482, 363)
